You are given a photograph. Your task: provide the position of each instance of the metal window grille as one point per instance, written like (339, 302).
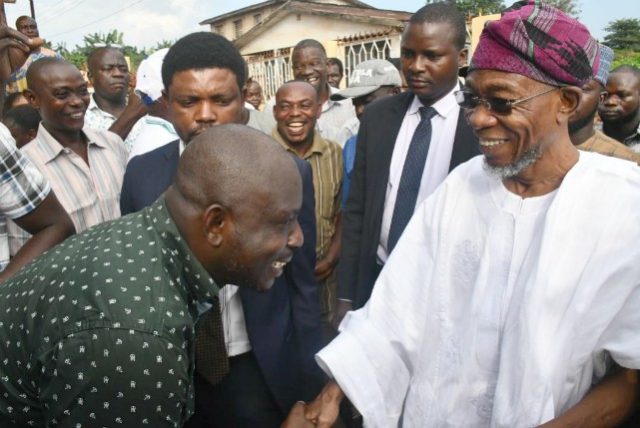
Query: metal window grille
(271, 69)
(355, 53)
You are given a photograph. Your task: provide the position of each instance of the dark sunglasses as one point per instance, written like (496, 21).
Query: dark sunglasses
(468, 101)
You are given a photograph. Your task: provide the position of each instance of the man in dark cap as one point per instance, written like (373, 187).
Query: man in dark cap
(514, 288)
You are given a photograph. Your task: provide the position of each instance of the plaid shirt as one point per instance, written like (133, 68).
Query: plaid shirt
(90, 195)
(22, 188)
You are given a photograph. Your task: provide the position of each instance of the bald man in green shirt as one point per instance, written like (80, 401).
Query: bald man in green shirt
(100, 330)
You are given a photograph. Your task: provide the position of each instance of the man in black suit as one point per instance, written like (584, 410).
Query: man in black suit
(271, 337)
(432, 50)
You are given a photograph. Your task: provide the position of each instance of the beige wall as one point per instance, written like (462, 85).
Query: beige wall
(291, 30)
(228, 28)
(477, 24)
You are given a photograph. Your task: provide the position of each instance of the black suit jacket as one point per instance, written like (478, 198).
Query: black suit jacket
(362, 217)
(283, 323)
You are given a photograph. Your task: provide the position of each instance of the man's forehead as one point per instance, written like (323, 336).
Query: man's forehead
(309, 51)
(625, 78)
(297, 90)
(60, 77)
(110, 56)
(192, 78)
(27, 21)
(493, 80)
(429, 30)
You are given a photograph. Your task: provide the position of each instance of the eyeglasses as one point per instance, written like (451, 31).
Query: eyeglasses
(468, 101)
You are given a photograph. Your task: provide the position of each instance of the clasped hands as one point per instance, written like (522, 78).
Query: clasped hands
(321, 412)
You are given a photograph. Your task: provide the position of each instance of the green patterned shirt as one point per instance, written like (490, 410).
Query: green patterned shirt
(99, 331)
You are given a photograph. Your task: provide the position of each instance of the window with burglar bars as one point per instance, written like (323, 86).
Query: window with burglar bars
(355, 53)
(271, 71)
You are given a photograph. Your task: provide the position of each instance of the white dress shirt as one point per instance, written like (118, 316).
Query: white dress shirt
(438, 159)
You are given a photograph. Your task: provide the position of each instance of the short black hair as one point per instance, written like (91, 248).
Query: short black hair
(203, 50)
(25, 116)
(23, 18)
(443, 12)
(94, 54)
(309, 43)
(336, 61)
(10, 99)
(626, 68)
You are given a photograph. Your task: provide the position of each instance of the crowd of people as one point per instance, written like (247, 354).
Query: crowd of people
(411, 248)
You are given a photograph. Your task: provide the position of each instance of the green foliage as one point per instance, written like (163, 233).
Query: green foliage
(78, 56)
(623, 34)
(571, 7)
(626, 57)
(479, 7)
(487, 7)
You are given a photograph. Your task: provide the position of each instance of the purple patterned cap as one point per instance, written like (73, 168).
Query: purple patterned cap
(539, 41)
(603, 65)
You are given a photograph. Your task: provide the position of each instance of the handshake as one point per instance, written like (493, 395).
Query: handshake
(321, 412)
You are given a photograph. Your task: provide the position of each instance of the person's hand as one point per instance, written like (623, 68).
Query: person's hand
(296, 417)
(135, 106)
(14, 50)
(324, 410)
(342, 307)
(324, 269)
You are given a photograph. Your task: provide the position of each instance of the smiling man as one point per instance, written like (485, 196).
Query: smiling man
(309, 63)
(270, 337)
(84, 166)
(108, 318)
(514, 288)
(296, 112)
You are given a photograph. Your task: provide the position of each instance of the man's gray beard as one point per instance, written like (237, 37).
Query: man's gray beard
(508, 171)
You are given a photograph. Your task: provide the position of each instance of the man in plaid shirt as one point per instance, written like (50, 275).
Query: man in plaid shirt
(26, 198)
(25, 195)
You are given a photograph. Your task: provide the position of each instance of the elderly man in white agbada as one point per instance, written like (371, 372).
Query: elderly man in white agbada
(515, 288)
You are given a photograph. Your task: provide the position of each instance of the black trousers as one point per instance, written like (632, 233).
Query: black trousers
(241, 399)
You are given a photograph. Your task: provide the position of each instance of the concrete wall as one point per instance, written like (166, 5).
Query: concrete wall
(296, 27)
(228, 28)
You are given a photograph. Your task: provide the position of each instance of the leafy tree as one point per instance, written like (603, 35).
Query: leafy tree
(626, 57)
(623, 34)
(75, 57)
(571, 7)
(161, 45)
(476, 7)
(78, 56)
(114, 37)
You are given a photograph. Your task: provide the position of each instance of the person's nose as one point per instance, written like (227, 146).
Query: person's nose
(205, 113)
(296, 237)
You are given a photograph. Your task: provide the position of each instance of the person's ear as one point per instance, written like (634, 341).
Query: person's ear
(217, 221)
(396, 90)
(31, 98)
(570, 98)
(31, 133)
(462, 57)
